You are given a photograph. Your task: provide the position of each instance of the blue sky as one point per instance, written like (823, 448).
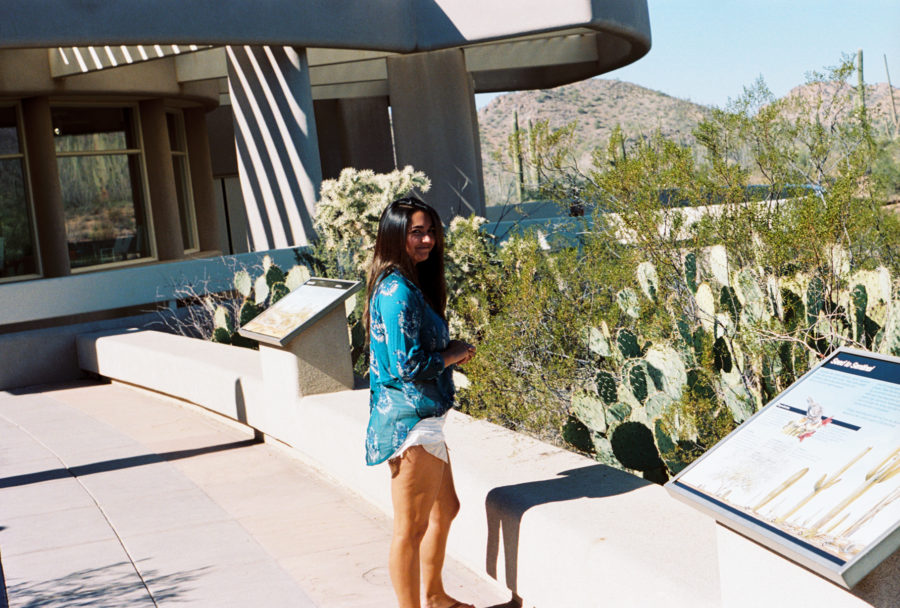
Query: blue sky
(709, 50)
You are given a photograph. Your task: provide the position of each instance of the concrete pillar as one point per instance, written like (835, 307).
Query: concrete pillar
(45, 189)
(356, 133)
(161, 181)
(436, 128)
(277, 147)
(210, 232)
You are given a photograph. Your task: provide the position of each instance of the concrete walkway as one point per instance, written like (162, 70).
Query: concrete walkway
(114, 496)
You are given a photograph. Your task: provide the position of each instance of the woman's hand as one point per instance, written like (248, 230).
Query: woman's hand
(457, 353)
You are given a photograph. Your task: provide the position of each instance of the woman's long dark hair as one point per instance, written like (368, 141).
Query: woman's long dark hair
(390, 254)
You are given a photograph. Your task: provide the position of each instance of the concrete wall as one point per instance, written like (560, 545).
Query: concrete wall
(30, 301)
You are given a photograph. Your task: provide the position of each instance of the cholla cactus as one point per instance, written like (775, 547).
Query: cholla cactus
(349, 208)
(470, 263)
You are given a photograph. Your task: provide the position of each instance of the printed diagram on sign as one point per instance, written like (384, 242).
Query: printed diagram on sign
(812, 420)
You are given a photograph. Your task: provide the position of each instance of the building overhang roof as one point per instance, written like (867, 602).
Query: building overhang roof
(509, 44)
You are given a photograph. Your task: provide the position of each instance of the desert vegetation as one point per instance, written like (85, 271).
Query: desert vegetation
(711, 271)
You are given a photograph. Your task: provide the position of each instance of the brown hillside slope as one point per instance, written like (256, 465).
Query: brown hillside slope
(597, 106)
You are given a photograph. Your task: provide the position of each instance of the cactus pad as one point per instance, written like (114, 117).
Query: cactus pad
(597, 342)
(279, 290)
(260, 290)
(243, 283)
(589, 409)
(274, 274)
(620, 411)
(815, 299)
(721, 355)
(606, 387)
(221, 335)
(628, 302)
(637, 381)
(633, 446)
(648, 280)
(222, 319)
(690, 271)
(576, 434)
(248, 312)
(628, 344)
(296, 276)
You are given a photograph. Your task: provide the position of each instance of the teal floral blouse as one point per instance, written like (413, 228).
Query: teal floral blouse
(407, 377)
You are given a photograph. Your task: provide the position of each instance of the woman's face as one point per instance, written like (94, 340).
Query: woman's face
(420, 237)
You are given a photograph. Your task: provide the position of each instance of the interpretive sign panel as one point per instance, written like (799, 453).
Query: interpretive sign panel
(814, 475)
(290, 315)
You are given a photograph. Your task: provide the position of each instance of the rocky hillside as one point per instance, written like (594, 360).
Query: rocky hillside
(597, 106)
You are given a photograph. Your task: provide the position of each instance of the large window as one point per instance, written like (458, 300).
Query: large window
(17, 255)
(100, 173)
(175, 124)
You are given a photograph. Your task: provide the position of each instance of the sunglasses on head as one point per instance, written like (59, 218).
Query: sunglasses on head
(410, 201)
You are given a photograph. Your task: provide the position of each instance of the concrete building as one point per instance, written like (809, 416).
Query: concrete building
(138, 131)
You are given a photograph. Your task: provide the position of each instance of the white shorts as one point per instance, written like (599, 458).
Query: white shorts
(428, 433)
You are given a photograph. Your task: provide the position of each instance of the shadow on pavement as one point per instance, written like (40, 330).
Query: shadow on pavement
(110, 586)
(119, 463)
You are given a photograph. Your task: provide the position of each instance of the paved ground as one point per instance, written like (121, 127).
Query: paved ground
(113, 496)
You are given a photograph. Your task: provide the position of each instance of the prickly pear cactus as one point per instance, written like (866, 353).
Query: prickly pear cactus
(222, 319)
(296, 276)
(627, 300)
(278, 291)
(627, 344)
(590, 410)
(690, 271)
(656, 401)
(243, 283)
(597, 339)
(260, 290)
(648, 280)
(274, 274)
(248, 311)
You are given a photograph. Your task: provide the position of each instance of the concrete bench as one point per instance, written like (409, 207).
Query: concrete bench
(202, 372)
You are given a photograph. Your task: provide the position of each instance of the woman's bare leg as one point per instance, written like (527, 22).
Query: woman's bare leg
(434, 544)
(415, 483)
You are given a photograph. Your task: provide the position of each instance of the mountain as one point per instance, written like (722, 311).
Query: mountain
(598, 106)
(878, 102)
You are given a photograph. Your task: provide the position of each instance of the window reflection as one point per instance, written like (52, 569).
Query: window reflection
(16, 235)
(175, 125)
(102, 188)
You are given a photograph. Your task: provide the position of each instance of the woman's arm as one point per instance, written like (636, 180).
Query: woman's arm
(457, 352)
(401, 310)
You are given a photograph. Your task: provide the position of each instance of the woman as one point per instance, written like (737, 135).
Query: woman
(411, 382)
